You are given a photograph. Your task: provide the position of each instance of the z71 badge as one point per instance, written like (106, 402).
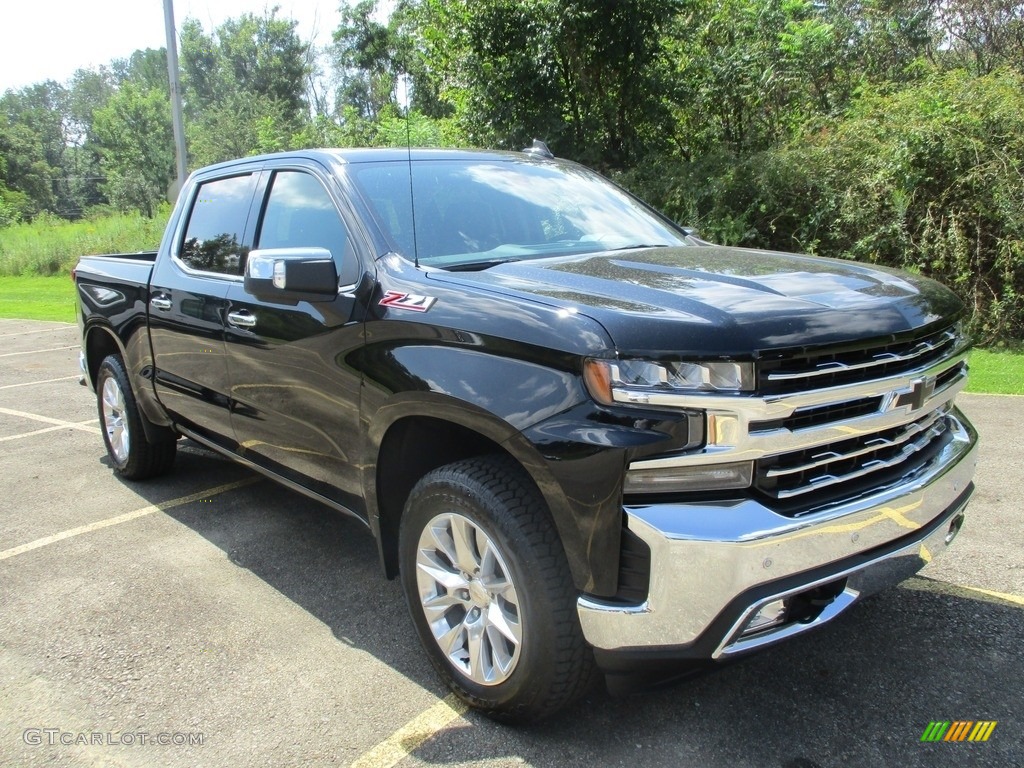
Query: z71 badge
(411, 301)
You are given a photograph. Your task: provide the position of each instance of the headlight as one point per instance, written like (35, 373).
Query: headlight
(640, 381)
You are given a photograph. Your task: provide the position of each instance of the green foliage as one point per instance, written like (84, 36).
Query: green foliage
(586, 76)
(145, 68)
(32, 144)
(14, 206)
(926, 179)
(133, 132)
(417, 130)
(49, 245)
(364, 57)
(245, 87)
(882, 130)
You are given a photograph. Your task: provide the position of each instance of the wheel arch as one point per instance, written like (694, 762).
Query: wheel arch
(451, 431)
(100, 341)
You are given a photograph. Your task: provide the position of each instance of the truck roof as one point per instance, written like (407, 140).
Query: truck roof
(385, 154)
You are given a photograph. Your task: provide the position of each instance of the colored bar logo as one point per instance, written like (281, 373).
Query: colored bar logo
(959, 730)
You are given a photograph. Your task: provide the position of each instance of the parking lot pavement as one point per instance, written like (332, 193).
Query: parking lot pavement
(245, 625)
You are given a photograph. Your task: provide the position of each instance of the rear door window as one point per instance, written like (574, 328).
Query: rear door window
(216, 225)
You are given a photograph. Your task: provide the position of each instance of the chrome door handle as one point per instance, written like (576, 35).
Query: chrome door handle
(163, 303)
(242, 319)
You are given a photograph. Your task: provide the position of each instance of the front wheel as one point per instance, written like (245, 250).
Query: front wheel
(489, 590)
(133, 456)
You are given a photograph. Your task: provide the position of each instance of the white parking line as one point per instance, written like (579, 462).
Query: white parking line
(44, 430)
(47, 420)
(65, 327)
(412, 735)
(40, 351)
(43, 381)
(202, 495)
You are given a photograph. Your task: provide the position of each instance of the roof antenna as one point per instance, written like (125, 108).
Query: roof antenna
(402, 96)
(539, 149)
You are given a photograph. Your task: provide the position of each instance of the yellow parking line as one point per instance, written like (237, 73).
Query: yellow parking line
(412, 735)
(1001, 595)
(47, 540)
(950, 587)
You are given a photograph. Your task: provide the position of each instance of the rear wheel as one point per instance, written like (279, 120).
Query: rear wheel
(133, 456)
(490, 592)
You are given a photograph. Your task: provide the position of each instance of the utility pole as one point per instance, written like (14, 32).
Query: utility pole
(176, 119)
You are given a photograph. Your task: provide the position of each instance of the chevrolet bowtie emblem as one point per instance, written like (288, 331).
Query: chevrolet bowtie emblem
(915, 397)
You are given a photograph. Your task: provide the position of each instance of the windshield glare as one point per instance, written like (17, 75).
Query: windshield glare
(480, 212)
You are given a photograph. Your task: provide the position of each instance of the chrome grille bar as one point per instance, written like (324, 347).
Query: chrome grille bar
(884, 358)
(870, 446)
(826, 480)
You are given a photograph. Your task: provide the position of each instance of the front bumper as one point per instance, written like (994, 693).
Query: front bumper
(714, 567)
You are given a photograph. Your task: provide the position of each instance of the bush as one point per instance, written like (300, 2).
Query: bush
(929, 179)
(50, 246)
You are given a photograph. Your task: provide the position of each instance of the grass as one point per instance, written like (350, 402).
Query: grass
(51, 246)
(996, 372)
(38, 298)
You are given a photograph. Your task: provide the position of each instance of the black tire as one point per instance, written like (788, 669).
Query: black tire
(131, 454)
(514, 540)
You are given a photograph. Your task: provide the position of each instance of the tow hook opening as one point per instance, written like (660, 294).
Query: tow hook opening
(954, 527)
(802, 608)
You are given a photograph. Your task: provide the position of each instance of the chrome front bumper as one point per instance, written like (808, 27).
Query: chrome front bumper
(713, 567)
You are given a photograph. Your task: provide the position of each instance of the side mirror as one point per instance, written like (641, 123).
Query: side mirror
(291, 274)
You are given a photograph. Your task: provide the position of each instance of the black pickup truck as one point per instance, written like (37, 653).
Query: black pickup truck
(583, 438)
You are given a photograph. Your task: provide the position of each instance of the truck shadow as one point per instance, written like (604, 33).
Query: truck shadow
(858, 692)
(320, 559)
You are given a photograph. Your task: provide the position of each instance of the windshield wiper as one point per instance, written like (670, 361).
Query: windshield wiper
(637, 246)
(476, 266)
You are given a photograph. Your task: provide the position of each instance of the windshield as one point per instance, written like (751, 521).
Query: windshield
(471, 214)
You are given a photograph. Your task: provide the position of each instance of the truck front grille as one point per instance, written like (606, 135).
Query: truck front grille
(821, 474)
(834, 452)
(833, 426)
(801, 370)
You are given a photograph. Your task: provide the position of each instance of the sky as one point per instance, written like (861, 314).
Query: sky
(50, 39)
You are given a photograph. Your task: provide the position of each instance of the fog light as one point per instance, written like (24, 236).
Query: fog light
(771, 615)
(710, 477)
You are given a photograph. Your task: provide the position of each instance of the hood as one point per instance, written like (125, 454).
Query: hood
(714, 300)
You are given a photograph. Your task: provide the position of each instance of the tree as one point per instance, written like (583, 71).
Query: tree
(89, 91)
(244, 86)
(145, 67)
(363, 57)
(26, 179)
(36, 127)
(133, 131)
(982, 35)
(587, 76)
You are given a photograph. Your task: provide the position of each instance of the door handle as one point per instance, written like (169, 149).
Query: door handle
(161, 302)
(242, 319)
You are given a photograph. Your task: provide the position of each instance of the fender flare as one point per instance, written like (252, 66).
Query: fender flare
(459, 413)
